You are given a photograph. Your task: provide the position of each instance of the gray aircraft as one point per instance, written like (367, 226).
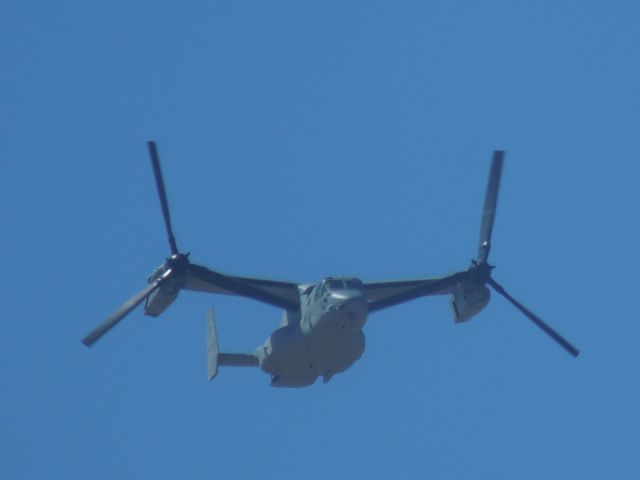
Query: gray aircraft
(321, 331)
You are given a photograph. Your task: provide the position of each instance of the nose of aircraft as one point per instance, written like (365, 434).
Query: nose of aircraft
(346, 310)
(349, 301)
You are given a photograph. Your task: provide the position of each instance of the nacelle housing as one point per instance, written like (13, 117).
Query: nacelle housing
(164, 296)
(160, 300)
(467, 300)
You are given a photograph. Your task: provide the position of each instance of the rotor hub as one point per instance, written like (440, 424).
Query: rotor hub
(178, 263)
(480, 272)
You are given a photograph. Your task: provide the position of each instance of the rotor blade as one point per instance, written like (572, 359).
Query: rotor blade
(535, 319)
(132, 303)
(490, 202)
(155, 162)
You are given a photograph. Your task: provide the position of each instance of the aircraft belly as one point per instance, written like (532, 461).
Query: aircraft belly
(305, 357)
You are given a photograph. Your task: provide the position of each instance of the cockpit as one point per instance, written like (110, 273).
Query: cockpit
(336, 287)
(341, 284)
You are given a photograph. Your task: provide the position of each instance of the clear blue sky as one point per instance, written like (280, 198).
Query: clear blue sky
(300, 140)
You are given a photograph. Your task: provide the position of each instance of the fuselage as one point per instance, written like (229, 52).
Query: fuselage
(323, 338)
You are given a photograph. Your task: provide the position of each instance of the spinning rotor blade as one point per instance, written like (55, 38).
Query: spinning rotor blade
(490, 202)
(131, 304)
(535, 319)
(155, 161)
(176, 265)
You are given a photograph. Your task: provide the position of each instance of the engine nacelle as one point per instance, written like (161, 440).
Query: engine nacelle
(467, 300)
(164, 296)
(160, 300)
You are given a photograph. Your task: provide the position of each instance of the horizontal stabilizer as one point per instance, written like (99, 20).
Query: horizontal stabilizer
(215, 358)
(237, 360)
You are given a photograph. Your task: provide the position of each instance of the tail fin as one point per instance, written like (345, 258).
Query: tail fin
(215, 358)
(212, 346)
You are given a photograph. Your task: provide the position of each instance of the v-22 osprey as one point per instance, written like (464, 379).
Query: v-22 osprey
(321, 333)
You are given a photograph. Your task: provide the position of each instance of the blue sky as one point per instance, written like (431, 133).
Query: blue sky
(306, 139)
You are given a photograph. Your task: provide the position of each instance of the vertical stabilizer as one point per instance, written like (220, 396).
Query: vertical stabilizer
(212, 346)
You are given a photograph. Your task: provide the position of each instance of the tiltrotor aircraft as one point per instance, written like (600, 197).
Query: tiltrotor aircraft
(321, 332)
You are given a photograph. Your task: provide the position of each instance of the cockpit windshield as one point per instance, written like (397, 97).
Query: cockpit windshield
(336, 284)
(352, 284)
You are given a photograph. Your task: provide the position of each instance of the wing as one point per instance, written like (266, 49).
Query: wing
(279, 294)
(387, 294)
